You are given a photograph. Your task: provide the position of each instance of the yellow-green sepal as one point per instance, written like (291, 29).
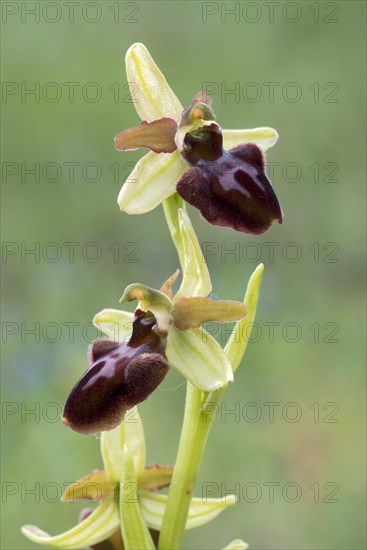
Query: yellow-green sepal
(99, 526)
(152, 96)
(152, 180)
(115, 324)
(199, 358)
(262, 137)
(153, 506)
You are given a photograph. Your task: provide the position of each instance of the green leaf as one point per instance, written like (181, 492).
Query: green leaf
(237, 343)
(236, 544)
(99, 526)
(201, 512)
(130, 433)
(115, 324)
(152, 180)
(150, 93)
(194, 312)
(196, 279)
(199, 358)
(134, 530)
(262, 137)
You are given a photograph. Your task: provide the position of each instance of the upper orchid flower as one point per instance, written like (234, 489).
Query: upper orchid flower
(164, 331)
(220, 172)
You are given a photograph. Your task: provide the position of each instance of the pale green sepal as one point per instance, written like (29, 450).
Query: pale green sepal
(99, 526)
(237, 343)
(153, 506)
(199, 358)
(236, 544)
(194, 312)
(262, 137)
(152, 180)
(131, 433)
(115, 324)
(150, 93)
(196, 279)
(134, 530)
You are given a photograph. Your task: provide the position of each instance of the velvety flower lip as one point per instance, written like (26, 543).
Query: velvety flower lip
(155, 176)
(121, 375)
(229, 188)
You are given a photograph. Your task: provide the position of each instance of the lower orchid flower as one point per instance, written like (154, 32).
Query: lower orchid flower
(220, 172)
(129, 501)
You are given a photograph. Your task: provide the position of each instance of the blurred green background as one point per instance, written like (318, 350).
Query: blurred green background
(312, 293)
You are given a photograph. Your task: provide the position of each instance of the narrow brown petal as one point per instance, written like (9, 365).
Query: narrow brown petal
(202, 97)
(94, 486)
(166, 288)
(156, 477)
(193, 312)
(158, 136)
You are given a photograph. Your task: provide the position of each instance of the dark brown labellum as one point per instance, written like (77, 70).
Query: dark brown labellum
(230, 189)
(120, 376)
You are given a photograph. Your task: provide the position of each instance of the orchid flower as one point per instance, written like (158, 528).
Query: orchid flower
(220, 172)
(125, 499)
(163, 331)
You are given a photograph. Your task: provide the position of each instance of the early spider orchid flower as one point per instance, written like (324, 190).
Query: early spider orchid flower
(220, 172)
(129, 366)
(129, 503)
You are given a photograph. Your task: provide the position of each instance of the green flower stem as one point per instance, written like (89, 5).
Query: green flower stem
(195, 429)
(196, 426)
(171, 207)
(200, 408)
